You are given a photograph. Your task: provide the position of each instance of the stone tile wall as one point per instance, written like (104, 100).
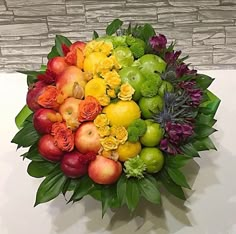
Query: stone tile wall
(204, 29)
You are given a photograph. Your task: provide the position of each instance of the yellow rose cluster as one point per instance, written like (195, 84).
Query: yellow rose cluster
(107, 69)
(111, 136)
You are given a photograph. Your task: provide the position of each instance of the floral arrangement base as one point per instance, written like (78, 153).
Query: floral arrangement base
(115, 118)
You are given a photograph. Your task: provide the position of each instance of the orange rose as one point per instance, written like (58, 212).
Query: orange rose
(63, 136)
(89, 108)
(50, 98)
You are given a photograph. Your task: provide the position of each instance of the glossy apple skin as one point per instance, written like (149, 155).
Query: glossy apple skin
(41, 122)
(68, 78)
(135, 78)
(57, 65)
(104, 170)
(72, 166)
(69, 110)
(78, 44)
(48, 149)
(33, 93)
(87, 138)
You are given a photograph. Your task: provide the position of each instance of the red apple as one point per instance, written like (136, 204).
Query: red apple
(87, 138)
(41, 120)
(72, 166)
(33, 93)
(69, 110)
(78, 44)
(48, 149)
(104, 170)
(57, 65)
(66, 82)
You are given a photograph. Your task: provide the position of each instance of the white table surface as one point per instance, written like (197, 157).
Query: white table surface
(210, 209)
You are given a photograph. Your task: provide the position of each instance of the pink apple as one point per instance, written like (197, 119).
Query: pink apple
(72, 166)
(69, 110)
(57, 65)
(78, 44)
(33, 93)
(104, 170)
(67, 81)
(87, 138)
(41, 120)
(48, 149)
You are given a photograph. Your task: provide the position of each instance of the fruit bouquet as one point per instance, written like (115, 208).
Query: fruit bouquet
(115, 118)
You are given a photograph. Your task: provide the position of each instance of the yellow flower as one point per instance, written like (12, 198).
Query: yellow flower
(106, 48)
(117, 66)
(109, 143)
(104, 131)
(104, 100)
(105, 65)
(111, 93)
(126, 92)
(101, 120)
(112, 79)
(120, 133)
(89, 48)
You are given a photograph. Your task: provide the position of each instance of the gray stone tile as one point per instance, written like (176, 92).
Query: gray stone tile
(47, 42)
(215, 67)
(224, 49)
(93, 6)
(217, 12)
(40, 10)
(64, 27)
(178, 17)
(194, 2)
(199, 59)
(5, 60)
(35, 37)
(208, 35)
(183, 42)
(228, 2)
(75, 7)
(65, 19)
(23, 29)
(229, 58)
(30, 19)
(6, 38)
(230, 40)
(21, 67)
(6, 18)
(6, 51)
(141, 4)
(20, 3)
(19, 43)
(6, 12)
(218, 22)
(169, 9)
(177, 32)
(230, 31)
(192, 51)
(2, 5)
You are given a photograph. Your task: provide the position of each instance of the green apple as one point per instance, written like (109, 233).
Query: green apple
(153, 134)
(124, 56)
(150, 106)
(151, 63)
(134, 77)
(153, 158)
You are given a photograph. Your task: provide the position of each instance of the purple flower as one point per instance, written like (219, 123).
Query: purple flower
(194, 93)
(183, 69)
(168, 147)
(171, 57)
(158, 42)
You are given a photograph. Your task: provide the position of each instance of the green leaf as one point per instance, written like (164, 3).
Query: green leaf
(203, 81)
(178, 177)
(66, 186)
(147, 32)
(107, 196)
(31, 80)
(26, 137)
(33, 154)
(149, 190)
(40, 169)
(177, 161)
(31, 73)
(59, 41)
(172, 187)
(22, 115)
(83, 187)
(95, 35)
(189, 150)
(205, 119)
(121, 189)
(132, 194)
(203, 131)
(53, 53)
(204, 144)
(51, 187)
(113, 26)
(96, 192)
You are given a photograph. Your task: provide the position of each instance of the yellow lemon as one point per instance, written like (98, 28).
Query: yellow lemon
(92, 61)
(128, 150)
(95, 87)
(122, 113)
